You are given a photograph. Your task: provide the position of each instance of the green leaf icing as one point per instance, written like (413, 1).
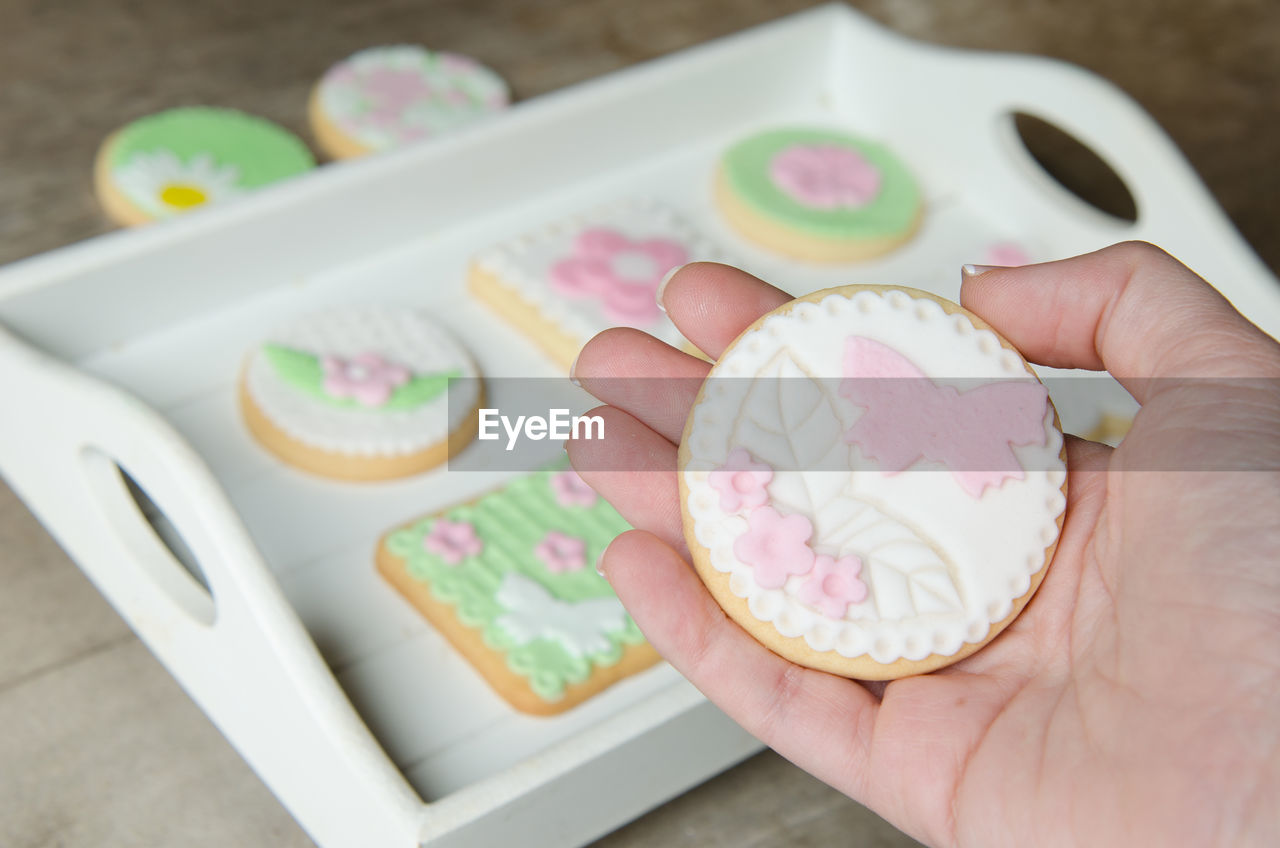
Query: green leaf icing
(745, 167)
(304, 372)
(511, 522)
(261, 151)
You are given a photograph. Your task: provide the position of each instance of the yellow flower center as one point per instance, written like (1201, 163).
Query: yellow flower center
(183, 195)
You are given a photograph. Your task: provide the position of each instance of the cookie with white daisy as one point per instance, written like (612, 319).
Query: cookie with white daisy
(361, 393)
(186, 158)
(386, 97)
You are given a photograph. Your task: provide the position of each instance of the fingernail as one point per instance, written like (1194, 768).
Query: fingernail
(573, 367)
(662, 286)
(600, 565)
(977, 270)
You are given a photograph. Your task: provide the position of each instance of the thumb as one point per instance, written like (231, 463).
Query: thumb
(1130, 308)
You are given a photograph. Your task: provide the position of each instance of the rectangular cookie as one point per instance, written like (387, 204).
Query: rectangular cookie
(510, 581)
(565, 283)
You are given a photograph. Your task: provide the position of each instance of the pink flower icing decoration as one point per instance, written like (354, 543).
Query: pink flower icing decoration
(560, 552)
(1006, 254)
(389, 92)
(366, 377)
(572, 490)
(453, 541)
(825, 176)
(623, 274)
(833, 585)
(741, 482)
(775, 546)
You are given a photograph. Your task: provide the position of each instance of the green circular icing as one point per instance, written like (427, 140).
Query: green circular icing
(894, 209)
(261, 151)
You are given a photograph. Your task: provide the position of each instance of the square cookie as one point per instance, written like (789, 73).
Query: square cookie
(565, 283)
(509, 579)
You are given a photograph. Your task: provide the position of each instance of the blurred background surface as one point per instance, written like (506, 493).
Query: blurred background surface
(99, 746)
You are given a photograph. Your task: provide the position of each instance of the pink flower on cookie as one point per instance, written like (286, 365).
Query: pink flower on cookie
(624, 274)
(740, 481)
(453, 541)
(775, 546)
(560, 552)
(825, 176)
(366, 377)
(572, 490)
(833, 585)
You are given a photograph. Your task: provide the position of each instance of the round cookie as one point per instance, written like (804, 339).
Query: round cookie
(361, 393)
(873, 482)
(185, 158)
(385, 97)
(818, 194)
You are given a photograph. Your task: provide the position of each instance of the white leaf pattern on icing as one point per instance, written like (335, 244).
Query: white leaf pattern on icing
(789, 421)
(907, 575)
(532, 613)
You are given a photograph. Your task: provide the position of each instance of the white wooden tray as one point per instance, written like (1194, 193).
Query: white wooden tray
(123, 352)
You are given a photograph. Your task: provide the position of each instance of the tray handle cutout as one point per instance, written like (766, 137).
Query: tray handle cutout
(1089, 109)
(154, 543)
(1075, 167)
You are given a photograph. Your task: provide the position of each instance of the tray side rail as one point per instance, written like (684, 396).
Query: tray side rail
(225, 632)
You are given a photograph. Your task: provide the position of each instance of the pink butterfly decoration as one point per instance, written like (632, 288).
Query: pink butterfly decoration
(909, 418)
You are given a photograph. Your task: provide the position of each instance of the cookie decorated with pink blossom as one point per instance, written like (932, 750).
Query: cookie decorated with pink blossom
(818, 194)
(564, 283)
(361, 393)
(873, 482)
(386, 97)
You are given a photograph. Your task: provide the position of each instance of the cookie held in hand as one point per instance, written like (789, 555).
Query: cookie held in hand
(873, 482)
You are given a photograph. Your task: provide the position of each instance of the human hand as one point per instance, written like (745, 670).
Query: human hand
(1135, 699)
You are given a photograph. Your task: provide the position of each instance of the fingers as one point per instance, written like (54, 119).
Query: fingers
(650, 379)
(634, 469)
(821, 722)
(1130, 308)
(712, 303)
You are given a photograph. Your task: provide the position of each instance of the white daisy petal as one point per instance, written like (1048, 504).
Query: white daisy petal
(144, 176)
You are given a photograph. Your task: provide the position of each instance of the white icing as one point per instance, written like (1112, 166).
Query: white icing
(581, 627)
(941, 566)
(524, 264)
(402, 336)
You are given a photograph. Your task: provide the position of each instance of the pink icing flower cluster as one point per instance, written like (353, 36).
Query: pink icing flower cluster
(572, 490)
(833, 585)
(453, 541)
(623, 274)
(367, 377)
(741, 482)
(776, 546)
(388, 93)
(825, 176)
(560, 552)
